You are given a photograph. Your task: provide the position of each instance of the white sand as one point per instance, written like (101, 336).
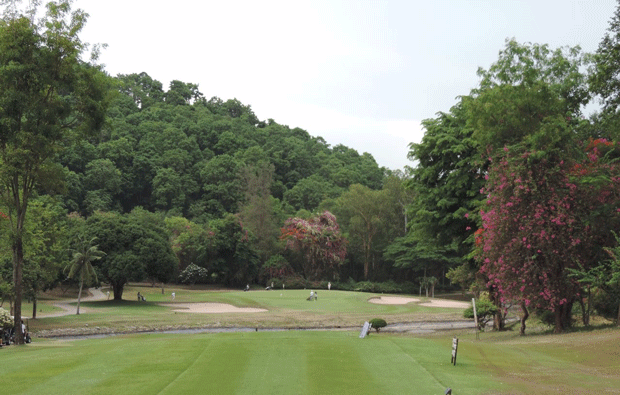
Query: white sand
(209, 308)
(392, 300)
(431, 303)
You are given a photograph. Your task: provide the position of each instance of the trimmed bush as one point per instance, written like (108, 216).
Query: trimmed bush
(378, 323)
(5, 319)
(194, 274)
(485, 310)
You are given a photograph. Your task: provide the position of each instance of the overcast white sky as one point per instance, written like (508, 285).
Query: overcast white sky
(361, 73)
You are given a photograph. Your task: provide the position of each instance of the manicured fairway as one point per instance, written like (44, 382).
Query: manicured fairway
(315, 362)
(290, 362)
(285, 308)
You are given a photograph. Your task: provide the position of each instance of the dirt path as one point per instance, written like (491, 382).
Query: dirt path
(68, 307)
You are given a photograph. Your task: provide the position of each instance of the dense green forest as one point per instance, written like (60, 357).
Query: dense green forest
(512, 192)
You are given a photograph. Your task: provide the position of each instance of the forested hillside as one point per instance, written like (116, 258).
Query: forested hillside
(175, 152)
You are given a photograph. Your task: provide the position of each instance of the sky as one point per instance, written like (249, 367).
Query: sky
(362, 73)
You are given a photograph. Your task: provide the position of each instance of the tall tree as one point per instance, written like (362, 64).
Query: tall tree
(546, 215)
(257, 211)
(365, 214)
(319, 240)
(47, 94)
(604, 70)
(81, 266)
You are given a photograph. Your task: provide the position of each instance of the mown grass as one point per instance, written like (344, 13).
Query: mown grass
(316, 362)
(285, 308)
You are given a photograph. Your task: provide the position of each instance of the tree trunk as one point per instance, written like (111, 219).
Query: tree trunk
(79, 296)
(618, 321)
(585, 312)
(118, 290)
(557, 315)
(34, 308)
(18, 265)
(524, 317)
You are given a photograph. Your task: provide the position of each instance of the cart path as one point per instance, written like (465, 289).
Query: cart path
(69, 307)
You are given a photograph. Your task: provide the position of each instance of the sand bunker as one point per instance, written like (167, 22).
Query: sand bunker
(210, 308)
(431, 303)
(392, 300)
(446, 303)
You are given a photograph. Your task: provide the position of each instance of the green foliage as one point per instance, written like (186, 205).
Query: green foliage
(485, 310)
(277, 267)
(606, 302)
(234, 258)
(376, 287)
(528, 90)
(378, 323)
(136, 246)
(294, 282)
(48, 96)
(194, 274)
(5, 319)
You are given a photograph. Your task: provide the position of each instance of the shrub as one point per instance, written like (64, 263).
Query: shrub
(295, 282)
(194, 274)
(606, 303)
(275, 267)
(378, 323)
(5, 319)
(485, 311)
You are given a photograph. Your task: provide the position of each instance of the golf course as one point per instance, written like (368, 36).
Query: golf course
(256, 346)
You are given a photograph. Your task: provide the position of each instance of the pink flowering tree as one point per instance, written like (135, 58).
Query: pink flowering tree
(544, 216)
(319, 240)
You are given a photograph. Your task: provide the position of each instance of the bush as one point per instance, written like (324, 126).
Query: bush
(295, 282)
(378, 323)
(194, 274)
(275, 267)
(606, 303)
(485, 310)
(5, 319)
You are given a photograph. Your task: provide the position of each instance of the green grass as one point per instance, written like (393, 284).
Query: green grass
(317, 362)
(286, 308)
(235, 363)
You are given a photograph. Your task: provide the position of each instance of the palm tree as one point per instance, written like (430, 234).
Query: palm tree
(81, 266)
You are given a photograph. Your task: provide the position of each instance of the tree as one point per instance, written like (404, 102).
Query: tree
(604, 70)
(319, 240)
(529, 103)
(233, 256)
(81, 263)
(528, 90)
(257, 211)
(136, 245)
(46, 242)
(47, 94)
(365, 214)
(544, 215)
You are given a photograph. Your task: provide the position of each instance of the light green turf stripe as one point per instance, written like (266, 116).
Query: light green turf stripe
(218, 369)
(277, 364)
(334, 366)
